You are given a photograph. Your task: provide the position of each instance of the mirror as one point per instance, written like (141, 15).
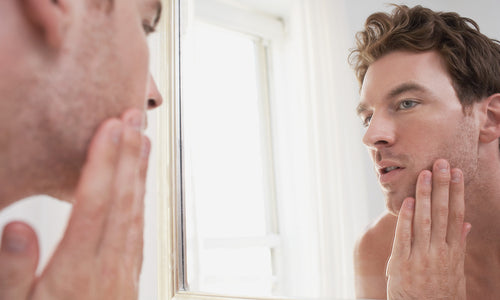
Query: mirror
(269, 181)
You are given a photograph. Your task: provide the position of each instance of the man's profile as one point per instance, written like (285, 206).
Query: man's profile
(74, 88)
(430, 102)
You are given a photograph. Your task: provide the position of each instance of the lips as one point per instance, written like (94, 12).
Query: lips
(388, 171)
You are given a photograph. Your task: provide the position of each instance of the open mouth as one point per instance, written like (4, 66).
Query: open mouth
(388, 169)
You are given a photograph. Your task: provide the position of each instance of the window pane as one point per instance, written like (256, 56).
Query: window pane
(224, 142)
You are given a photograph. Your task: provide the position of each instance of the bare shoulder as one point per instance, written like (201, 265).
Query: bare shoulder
(371, 253)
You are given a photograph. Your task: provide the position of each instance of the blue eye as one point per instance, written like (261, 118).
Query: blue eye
(407, 104)
(366, 121)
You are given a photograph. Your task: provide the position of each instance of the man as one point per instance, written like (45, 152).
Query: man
(74, 87)
(430, 101)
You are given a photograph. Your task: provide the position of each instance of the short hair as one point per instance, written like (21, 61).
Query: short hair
(472, 59)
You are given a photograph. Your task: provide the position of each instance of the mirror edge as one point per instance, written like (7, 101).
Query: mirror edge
(168, 154)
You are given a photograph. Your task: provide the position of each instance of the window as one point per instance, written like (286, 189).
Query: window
(228, 176)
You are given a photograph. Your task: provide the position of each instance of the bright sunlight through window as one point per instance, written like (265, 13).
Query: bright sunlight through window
(227, 163)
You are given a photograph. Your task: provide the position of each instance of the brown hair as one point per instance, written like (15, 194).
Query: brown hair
(472, 59)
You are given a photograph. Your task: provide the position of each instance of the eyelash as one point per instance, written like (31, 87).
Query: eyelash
(413, 103)
(148, 28)
(366, 120)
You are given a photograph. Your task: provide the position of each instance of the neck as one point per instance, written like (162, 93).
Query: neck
(23, 178)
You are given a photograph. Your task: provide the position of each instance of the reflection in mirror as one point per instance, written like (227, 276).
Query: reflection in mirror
(276, 184)
(264, 178)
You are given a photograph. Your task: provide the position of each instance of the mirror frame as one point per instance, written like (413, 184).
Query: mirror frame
(171, 275)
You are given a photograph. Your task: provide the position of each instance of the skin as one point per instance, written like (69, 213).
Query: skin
(72, 112)
(448, 172)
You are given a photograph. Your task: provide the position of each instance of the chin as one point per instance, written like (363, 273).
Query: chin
(394, 201)
(392, 210)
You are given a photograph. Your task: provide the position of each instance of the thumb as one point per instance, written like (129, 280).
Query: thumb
(18, 260)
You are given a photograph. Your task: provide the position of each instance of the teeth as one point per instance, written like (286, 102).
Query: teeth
(390, 169)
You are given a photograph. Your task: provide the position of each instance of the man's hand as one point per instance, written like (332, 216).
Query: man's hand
(427, 259)
(100, 255)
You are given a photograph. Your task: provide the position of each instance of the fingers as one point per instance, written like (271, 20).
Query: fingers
(457, 208)
(107, 189)
(401, 247)
(104, 232)
(124, 231)
(440, 198)
(94, 195)
(422, 219)
(18, 260)
(440, 207)
(434, 260)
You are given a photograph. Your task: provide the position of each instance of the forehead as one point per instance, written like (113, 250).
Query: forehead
(425, 69)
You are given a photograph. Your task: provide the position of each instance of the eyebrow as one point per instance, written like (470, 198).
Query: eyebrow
(406, 87)
(158, 13)
(398, 90)
(361, 108)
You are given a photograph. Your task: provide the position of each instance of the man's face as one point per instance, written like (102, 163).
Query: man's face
(414, 117)
(116, 43)
(102, 71)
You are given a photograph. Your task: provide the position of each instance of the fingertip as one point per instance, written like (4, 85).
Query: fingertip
(135, 118)
(18, 260)
(441, 165)
(456, 175)
(426, 176)
(18, 238)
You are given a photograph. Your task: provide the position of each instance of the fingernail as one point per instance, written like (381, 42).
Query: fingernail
(427, 177)
(14, 243)
(443, 166)
(456, 176)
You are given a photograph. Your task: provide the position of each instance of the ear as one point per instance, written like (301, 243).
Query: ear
(49, 17)
(490, 127)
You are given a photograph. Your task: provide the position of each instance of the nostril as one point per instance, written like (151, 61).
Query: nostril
(381, 142)
(152, 103)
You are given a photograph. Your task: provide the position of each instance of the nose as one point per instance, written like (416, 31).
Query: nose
(380, 133)
(153, 98)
